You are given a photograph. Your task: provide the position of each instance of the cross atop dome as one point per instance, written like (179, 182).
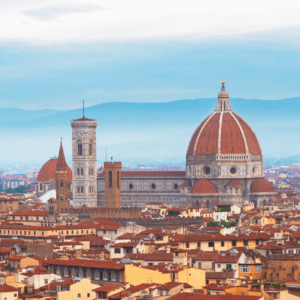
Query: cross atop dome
(223, 100)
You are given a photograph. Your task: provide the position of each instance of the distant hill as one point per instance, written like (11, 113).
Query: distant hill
(133, 132)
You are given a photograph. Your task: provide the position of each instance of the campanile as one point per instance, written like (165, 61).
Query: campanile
(84, 162)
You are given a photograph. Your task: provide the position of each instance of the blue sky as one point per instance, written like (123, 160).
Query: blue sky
(55, 54)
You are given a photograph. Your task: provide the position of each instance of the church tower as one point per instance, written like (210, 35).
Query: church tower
(112, 184)
(84, 162)
(61, 176)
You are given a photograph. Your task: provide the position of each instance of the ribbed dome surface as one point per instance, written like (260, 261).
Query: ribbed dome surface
(262, 185)
(223, 133)
(203, 186)
(48, 170)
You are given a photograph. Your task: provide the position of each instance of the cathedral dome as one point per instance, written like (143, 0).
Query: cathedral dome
(223, 132)
(262, 185)
(203, 186)
(48, 170)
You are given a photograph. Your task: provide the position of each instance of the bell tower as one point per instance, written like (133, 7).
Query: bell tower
(112, 184)
(84, 160)
(61, 176)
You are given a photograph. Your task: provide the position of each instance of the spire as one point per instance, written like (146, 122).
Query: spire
(223, 100)
(61, 161)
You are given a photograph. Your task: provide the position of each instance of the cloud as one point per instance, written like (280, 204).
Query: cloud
(51, 12)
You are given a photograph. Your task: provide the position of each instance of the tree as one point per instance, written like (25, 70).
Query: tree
(19, 189)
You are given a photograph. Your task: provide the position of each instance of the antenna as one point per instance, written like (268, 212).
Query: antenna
(83, 107)
(105, 154)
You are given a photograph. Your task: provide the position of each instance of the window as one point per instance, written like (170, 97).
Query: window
(233, 243)
(41, 186)
(105, 275)
(219, 266)
(79, 148)
(257, 242)
(90, 148)
(113, 276)
(242, 293)
(97, 275)
(199, 244)
(207, 281)
(79, 295)
(78, 171)
(222, 243)
(245, 243)
(78, 190)
(275, 296)
(117, 250)
(258, 269)
(61, 185)
(15, 295)
(81, 171)
(228, 267)
(245, 269)
(110, 178)
(199, 265)
(118, 179)
(187, 245)
(213, 265)
(211, 244)
(82, 189)
(88, 294)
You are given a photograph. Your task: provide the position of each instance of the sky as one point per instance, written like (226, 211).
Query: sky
(53, 54)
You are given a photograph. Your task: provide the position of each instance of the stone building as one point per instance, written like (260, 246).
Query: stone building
(112, 184)
(46, 178)
(224, 165)
(84, 162)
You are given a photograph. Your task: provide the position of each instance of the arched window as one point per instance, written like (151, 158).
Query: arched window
(91, 148)
(61, 197)
(82, 189)
(78, 189)
(78, 171)
(79, 147)
(69, 186)
(81, 273)
(81, 171)
(110, 179)
(61, 185)
(41, 186)
(90, 189)
(118, 179)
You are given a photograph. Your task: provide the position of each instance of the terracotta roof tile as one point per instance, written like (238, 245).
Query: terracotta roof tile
(48, 170)
(261, 185)
(203, 186)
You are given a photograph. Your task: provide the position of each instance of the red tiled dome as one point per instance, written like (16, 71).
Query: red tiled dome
(234, 182)
(203, 186)
(229, 133)
(262, 185)
(47, 171)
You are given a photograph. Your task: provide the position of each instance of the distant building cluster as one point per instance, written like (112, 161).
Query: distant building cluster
(223, 228)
